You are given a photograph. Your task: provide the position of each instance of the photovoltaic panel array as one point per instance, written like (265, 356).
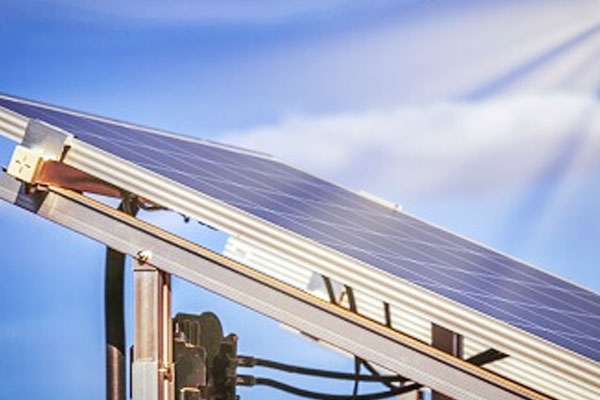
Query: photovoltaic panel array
(405, 247)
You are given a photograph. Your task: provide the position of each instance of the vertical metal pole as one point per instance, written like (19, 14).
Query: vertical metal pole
(449, 342)
(152, 353)
(114, 325)
(114, 318)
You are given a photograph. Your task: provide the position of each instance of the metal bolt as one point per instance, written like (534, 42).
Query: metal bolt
(144, 256)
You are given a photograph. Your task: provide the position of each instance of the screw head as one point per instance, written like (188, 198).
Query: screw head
(144, 256)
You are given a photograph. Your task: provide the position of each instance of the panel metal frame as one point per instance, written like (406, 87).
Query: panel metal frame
(335, 325)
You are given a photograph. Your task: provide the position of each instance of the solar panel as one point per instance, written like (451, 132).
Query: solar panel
(399, 244)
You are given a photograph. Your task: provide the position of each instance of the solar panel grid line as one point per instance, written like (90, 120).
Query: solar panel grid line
(454, 240)
(103, 138)
(183, 156)
(161, 148)
(504, 256)
(261, 191)
(201, 214)
(256, 190)
(158, 150)
(130, 125)
(170, 169)
(542, 307)
(316, 202)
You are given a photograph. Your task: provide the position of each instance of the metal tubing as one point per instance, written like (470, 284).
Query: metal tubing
(115, 325)
(114, 318)
(152, 354)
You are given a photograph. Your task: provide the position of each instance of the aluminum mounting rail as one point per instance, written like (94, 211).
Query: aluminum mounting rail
(330, 323)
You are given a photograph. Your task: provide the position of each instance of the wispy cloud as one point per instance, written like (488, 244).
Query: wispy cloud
(443, 148)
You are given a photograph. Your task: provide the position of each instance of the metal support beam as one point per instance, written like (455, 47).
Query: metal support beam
(152, 374)
(330, 323)
(114, 324)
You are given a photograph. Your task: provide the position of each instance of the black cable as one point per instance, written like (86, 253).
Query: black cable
(246, 380)
(114, 317)
(357, 363)
(245, 361)
(376, 373)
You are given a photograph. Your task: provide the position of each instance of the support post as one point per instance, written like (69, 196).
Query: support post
(449, 342)
(114, 318)
(114, 322)
(152, 377)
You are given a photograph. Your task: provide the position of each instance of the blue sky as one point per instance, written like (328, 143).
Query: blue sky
(483, 117)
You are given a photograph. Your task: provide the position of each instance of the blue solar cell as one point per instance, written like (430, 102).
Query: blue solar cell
(410, 249)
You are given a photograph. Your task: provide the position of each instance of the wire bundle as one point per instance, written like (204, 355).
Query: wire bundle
(395, 383)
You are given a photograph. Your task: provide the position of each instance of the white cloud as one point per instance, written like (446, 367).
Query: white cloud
(442, 148)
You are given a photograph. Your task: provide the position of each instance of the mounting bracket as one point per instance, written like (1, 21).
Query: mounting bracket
(40, 143)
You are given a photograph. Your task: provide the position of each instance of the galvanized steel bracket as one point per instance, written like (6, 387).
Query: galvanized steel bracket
(41, 142)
